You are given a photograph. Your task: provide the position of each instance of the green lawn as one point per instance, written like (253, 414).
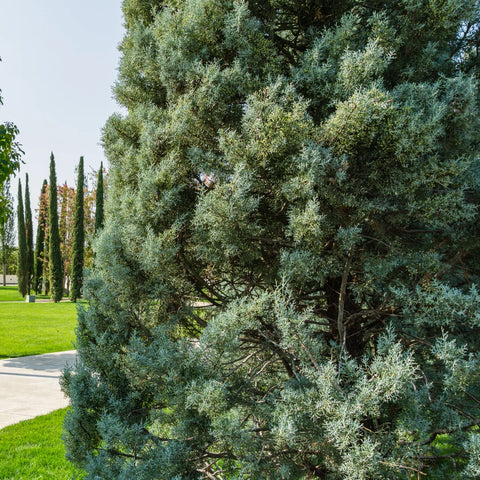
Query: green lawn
(33, 450)
(36, 328)
(10, 294)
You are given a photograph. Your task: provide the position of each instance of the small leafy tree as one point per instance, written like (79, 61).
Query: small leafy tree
(22, 265)
(39, 257)
(78, 237)
(10, 155)
(7, 229)
(55, 256)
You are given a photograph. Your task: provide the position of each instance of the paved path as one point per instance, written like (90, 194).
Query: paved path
(29, 386)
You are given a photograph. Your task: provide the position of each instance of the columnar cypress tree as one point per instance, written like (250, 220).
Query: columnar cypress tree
(78, 237)
(46, 261)
(65, 234)
(288, 286)
(99, 199)
(29, 236)
(55, 258)
(22, 262)
(40, 241)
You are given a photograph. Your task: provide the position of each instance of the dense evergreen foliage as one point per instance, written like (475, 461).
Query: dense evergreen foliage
(55, 256)
(29, 236)
(78, 237)
(288, 286)
(22, 261)
(40, 240)
(99, 200)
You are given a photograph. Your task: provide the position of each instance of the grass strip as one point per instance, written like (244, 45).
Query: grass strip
(36, 328)
(33, 450)
(10, 293)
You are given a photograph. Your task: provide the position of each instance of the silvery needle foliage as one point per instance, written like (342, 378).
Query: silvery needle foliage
(286, 284)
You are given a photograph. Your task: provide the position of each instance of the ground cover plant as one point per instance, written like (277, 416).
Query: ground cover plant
(33, 450)
(309, 170)
(36, 328)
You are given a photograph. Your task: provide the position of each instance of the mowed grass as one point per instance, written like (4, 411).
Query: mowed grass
(33, 450)
(10, 294)
(36, 328)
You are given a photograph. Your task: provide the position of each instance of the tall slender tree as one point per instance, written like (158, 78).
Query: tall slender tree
(46, 258)
(55, 257)
(29, 236)
(99, 202)
(78, 237)
(7, 228)
(22, 262)
(309, 170)
(66, 197)
(40, 240)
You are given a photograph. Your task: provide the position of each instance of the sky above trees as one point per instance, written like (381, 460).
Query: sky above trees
(59, 62)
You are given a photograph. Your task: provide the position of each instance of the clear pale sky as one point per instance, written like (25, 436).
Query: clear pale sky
(59, 63)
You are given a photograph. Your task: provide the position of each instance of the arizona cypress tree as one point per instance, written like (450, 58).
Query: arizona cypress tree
(40, 241)
(29, 236)
(55, 258)
(99, 199)
(287, 288)
(22, 262)
(78, 237)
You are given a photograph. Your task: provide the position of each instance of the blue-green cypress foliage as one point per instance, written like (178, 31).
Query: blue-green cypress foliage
(287, 288)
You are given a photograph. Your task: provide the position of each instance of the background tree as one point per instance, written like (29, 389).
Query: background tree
(40, 239)
(22, 265)
(67, 209)
(7, 229)
(89, 221)
(55, 256)
(10, 155)
(46, 261)
(78, 237)
(29, 236)
(99, 208)
(288, 287)
(66, 194)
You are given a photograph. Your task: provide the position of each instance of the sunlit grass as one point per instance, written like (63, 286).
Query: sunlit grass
(10, 294)
(36, 328)
(33, 450)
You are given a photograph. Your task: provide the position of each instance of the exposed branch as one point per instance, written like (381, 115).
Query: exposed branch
(403, 467)
(441, 431)
(342, 331)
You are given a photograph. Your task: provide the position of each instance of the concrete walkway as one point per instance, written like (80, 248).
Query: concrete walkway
(29, 386)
